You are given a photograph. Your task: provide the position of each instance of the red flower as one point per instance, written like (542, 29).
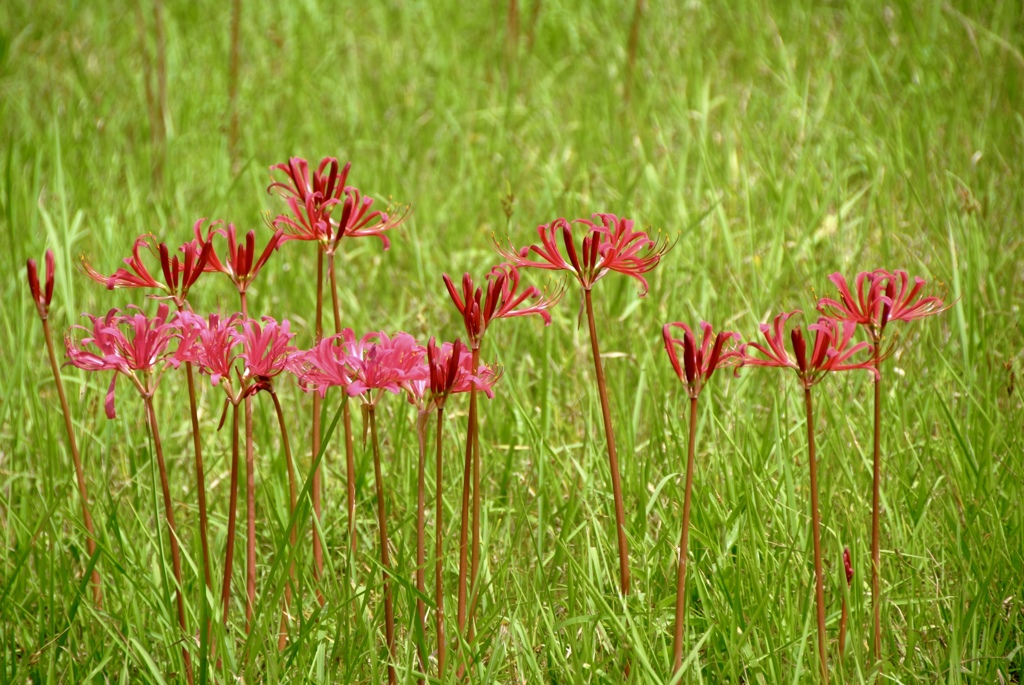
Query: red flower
(847, 565)
(41, 297)
(502, 300)
(699, 363)
(451, 372)
(240, 263)
(142, 349)
(866, 308)
(265, 350)
(612, 245)
(889, 296)
(831, 350)
(179, 274)
(904, 305)
(313, 197)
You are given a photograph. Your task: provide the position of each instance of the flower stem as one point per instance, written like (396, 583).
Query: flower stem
(229, 550)
(819, 588)
(613, 460)
(677, 652)
(83, 493)
(250, 518)
(421, 539)
(843, 618)
(282, 638)
(318, 553)
(350, 462)
(438, 563)
(385, 561)
(200, 477)
(466, 486)
(169, 515)
(876, 502)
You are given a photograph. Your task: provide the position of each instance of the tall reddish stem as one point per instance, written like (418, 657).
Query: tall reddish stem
(250, 502)
(318, 553)
(172, 533)
(421, 538)
(83, 493)
(613, 460)
(474, 566)
(819, 586)
(293, 489)
(467, 475)
(876, 504)
(229, 549)
(200, 477)
(350, 460)
(385, 556)
(684, 539)
(438, 548)
(250, 518)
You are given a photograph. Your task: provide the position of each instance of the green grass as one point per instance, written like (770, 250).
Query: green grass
(817, 137)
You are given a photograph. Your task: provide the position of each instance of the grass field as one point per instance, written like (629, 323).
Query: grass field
(779, 141)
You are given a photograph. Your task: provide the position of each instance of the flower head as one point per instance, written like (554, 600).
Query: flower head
(380, 363)
(847, 565)
(867, 307)
(502, 300)
(266, 351)
(610, 244)
(904, 304)
(313, 198)
(699, 363)
(179, 274)
(41, 297)
(831, 350)
(209, 343)
(326, 364)
(127, 344)
(239, 262)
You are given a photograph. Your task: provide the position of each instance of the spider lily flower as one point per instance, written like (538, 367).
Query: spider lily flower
(179, 274)
(240, 262)
(502, 300)
(904, 304)
(209, 343)
(313, 197)
(831, 350)
(699, 362)
(383, 364)
(265, 351)
(610, 244)
(41, 296)
(325, 365)
(867, 308)
(142, 350)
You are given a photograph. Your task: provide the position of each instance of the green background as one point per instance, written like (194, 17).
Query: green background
(778, 141)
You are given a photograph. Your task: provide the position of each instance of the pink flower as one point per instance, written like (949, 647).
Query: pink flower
(41, 297)
(831, 350)
(502, 300)
(265, 350)
(240, 263)
(325, 365)
(611, 245)
(142, 349)
(380, 363)
(847, 565)
(211, 344)
(699, 362)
